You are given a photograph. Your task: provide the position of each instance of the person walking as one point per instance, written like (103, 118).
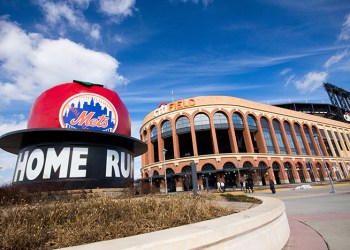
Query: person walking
(242, 185)
(218, 184)
(272, 186)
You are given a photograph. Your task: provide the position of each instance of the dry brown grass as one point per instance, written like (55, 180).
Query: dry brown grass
(51, 224)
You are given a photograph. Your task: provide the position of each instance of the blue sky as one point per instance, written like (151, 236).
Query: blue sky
(269, 51)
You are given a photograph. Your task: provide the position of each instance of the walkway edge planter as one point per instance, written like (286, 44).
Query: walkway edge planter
(262, 227)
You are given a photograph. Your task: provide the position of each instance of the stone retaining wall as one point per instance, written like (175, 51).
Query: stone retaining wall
(262, 227)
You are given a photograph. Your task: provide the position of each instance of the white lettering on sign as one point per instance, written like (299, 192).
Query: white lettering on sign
(77, 161)
(71, 162)
(35, 164)
(55, 162)
(32, 164)
(120, 162)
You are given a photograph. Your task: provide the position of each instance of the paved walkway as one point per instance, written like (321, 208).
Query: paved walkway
(317, 218)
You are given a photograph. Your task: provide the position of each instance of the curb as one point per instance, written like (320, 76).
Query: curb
(265, 226)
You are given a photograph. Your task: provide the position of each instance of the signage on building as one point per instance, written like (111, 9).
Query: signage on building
(165, 108)
(73, 163)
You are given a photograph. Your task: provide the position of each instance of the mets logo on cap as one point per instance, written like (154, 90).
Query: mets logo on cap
(88, 111)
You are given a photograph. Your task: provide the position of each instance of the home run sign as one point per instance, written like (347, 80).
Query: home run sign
(78, 135)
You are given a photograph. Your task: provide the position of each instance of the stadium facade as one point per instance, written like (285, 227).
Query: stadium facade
(230, 139)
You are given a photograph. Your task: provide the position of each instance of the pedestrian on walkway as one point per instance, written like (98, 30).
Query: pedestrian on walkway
(242, 185)
(218, 184)
(272, 186)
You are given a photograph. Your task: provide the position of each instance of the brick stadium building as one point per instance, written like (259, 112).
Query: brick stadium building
(228, 137)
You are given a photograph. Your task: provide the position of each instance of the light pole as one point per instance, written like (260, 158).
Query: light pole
(324, 164)
(166, 182)
(239, 176)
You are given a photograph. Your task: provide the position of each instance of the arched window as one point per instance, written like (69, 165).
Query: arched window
(290, 138)
(186, 169)
(166, 129)
(267, 135)
(201, 122)
(288, 170)
(278, 133)
(145, 138)
(154, 134)
(183, 125)
(308, 138)
(208, 168)
(300, 140)
(251, 123)
(237, 121)
(220, 121)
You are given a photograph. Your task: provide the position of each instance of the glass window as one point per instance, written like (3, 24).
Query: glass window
(166, 129)
(333, 143)
(278, 133)
(220, 120)
(346, 145)
(251, 123)
(308, 138)
(267, 135)
(183, 125)
(154, 133)
(201, 121)
(290, 138)
(325, 141)
(300, 140)
(237, 121)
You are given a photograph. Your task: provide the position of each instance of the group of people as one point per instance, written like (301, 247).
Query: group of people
(247, 185)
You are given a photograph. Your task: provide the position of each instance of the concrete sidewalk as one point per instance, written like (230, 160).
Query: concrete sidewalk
(318, 219)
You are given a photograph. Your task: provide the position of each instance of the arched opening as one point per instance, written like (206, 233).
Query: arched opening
(279, 137)
(187, 178)
(308, 138)
(231, 175)
(145, 140)
(203, 134)
(310, 171)
(319, 171)
(183, 131)
(239, 128)
(301, 172)
(253, 129)
(154, 141)
(276, 172)
(291, 142)
(267, 135)
(336, 170)
(156, 179)
(168, 139)
(262, 169)
(325, 141)
(170, 177)
(222, 133)
(289, 172)
(209, 176)
(299, 139)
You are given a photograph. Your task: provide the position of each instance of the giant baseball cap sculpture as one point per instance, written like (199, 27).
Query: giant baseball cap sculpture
(78, 135)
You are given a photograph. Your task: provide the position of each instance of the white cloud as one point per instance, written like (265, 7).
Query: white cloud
(289, 79)
(117, 8)
(31, 64)
(311, 81)
(69, 13)
(345, 32)
(335, 59)
(285, 71)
